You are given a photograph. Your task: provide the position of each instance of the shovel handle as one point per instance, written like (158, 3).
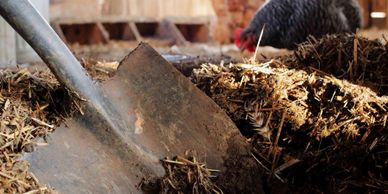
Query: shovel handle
(27, 21)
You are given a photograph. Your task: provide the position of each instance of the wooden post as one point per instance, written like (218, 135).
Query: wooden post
(366, 6)
(57, 28)
(104, 33)
(135, 31)
(85, 33)
(169, 29)
(386, 14)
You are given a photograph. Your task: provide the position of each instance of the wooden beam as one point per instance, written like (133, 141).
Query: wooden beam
(195, 32)
(366, 6)
(128, 34)
(90, 33)
(104, 19)
(103, 31)
(57, 28)
(135, 31)
(169, 29)
(386, 14)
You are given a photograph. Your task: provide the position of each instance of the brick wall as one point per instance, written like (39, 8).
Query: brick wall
(231, 15)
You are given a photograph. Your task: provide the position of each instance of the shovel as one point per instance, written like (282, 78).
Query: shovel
(146, 112)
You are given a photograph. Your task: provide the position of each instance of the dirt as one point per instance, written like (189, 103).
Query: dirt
(242, 174)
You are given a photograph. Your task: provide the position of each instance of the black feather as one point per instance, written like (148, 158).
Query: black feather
(289, 22)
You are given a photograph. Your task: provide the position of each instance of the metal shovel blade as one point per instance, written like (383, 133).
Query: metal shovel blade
(164, 115)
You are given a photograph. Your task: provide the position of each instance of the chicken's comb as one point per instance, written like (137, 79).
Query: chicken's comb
(242, 45)
(237, 39)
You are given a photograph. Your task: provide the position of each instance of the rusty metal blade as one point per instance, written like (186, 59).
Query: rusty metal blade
(159, 113)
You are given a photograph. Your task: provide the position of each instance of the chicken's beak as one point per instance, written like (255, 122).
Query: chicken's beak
(243, 46)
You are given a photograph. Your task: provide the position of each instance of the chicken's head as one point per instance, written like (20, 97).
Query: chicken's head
(244, 39)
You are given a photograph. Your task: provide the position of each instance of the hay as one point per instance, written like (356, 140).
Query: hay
(311, 130)
(322, 103)
(31, 106)
(357, 59)
(98, 70)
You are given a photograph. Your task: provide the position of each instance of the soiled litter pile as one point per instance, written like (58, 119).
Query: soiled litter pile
(31, 105)
(357, 59)
(309, 129)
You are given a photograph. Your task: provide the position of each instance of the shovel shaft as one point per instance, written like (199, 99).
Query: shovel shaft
(24, 18)
(27, 21)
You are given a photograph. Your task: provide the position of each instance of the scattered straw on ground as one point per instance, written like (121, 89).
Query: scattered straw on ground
(98, 70)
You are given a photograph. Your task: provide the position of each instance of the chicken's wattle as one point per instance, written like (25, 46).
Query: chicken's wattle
(239, 44)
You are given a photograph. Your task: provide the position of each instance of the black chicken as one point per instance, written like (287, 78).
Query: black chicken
(289, 22)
